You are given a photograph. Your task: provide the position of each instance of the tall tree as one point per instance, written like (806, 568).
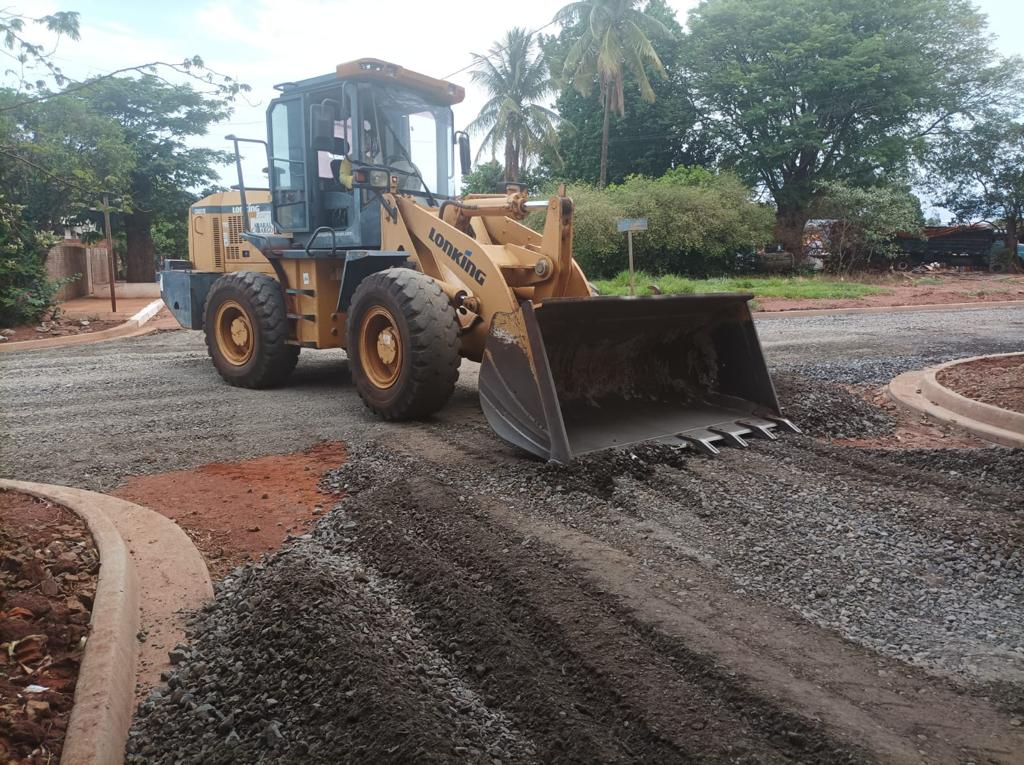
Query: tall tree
(157, 118)
(57, 155)
(981, 173)
(614, 40)
(516, 79)
(63, 142)
(801, 92)
(651, 138)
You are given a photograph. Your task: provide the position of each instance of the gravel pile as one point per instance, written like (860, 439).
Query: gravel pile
(829, 410)
(916, 554)
(900, 563)
(310, 657)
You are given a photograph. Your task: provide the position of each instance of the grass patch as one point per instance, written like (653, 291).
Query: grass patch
(793, 287)
(928, 281)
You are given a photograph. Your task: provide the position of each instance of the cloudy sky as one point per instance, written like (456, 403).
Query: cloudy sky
(263, 42)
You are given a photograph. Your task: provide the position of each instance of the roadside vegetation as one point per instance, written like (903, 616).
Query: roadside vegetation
(25, 292)
(698, 221)
(791, 287)
(66, 144)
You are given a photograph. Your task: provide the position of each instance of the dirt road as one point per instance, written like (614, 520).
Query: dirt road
(800, 600)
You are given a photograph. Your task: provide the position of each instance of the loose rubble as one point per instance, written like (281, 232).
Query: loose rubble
(310, 657)
(813, 404)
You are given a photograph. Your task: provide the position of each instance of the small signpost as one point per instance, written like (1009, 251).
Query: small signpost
(629, 225)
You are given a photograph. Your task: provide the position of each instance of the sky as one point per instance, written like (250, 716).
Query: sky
(263, 42)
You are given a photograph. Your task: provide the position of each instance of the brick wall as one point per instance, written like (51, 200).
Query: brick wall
(85, 266)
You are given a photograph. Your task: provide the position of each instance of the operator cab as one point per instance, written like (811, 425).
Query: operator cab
(336, 141)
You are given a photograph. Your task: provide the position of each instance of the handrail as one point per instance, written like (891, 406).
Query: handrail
(334, 241)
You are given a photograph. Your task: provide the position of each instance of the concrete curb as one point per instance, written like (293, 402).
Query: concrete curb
(977, 305)
(920, 392)
(102, 713)
(149, 573)
(131, 328)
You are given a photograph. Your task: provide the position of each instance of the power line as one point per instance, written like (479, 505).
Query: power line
(502, 49)
(48, 174)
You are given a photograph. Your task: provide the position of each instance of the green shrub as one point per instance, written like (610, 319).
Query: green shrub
(26, 294)
(698, 222)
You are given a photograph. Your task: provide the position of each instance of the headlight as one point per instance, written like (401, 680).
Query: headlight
(377, 179)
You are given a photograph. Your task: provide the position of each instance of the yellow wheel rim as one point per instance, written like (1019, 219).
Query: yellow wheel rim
(380, 347)
(235, 337)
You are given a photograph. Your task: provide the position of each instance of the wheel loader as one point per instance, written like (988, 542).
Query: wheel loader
(361, 243)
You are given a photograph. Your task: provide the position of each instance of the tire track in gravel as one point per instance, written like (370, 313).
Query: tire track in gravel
(556, 653)
(630, 537)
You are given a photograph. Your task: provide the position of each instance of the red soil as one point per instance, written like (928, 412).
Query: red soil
(235, 511)
(997, 381)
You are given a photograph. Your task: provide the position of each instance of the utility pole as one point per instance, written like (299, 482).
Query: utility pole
(110, 252)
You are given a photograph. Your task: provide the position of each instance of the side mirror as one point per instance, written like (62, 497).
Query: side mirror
(465, 160)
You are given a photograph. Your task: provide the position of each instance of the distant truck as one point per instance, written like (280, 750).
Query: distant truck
(949, 245)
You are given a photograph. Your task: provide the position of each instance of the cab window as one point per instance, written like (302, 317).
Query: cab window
(288, 166)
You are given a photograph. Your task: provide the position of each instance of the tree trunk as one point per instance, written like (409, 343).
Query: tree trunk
(1012, 240)
(511, 160)
(140, 259)
(604, 141)
(789, 230)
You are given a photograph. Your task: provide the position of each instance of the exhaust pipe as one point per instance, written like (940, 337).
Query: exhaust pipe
(578, 375)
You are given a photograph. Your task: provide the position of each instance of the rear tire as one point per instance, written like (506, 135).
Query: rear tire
(403, 344)
(246, 327)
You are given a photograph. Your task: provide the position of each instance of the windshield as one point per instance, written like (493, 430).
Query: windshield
(403, 131)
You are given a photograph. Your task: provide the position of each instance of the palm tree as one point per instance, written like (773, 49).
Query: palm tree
(615, 39)
(516, 79)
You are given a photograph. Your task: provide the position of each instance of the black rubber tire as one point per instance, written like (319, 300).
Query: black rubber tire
(273, 359)
(429, 332)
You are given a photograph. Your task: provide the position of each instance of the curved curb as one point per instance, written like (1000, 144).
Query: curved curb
(149, 573)
(131, 328)
(103, 707)
(920, 391)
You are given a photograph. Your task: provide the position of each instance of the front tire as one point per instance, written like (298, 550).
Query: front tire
(246, 326)
(403, 344)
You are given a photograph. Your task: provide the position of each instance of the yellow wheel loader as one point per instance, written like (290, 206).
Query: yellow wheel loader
(361, 243)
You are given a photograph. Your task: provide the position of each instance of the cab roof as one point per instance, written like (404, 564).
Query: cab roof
(375, 70)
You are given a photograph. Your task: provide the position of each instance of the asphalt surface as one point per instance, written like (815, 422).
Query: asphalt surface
(797, 601)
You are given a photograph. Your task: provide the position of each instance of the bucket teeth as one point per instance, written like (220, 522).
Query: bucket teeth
(732, 434)
(786, 424)
(703, 440)
(762, 428)
(708, 440)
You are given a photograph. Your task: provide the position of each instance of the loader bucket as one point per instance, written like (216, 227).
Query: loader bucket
(576, 375)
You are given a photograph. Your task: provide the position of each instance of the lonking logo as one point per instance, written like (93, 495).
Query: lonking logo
(460, 258)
